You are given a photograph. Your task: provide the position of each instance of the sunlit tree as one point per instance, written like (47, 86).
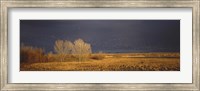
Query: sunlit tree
(68, 47)
(78, 48)
(81, 49)
(59, 46)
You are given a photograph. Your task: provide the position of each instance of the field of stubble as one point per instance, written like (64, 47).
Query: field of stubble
(113, 62)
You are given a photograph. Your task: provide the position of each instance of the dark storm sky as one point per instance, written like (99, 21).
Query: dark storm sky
(105, 35)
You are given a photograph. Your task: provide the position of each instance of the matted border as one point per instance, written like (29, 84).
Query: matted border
(6, 4)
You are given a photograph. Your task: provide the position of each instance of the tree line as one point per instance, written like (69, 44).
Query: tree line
(64, 50)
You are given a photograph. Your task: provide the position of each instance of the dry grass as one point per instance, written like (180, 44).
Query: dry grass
(113, 62)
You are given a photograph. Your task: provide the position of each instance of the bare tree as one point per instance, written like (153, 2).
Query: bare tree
(63, 47)
(59, 46)
(68, 47)
(79, 48)
(60, 49)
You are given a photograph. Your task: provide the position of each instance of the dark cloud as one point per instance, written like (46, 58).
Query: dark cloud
(105, 35)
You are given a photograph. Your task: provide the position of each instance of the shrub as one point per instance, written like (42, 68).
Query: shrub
(31, 54)
(98, 56)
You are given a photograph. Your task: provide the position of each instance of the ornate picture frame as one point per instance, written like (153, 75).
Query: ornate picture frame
(6, 4)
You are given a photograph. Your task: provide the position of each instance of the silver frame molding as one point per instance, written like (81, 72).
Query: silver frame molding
(6, 4)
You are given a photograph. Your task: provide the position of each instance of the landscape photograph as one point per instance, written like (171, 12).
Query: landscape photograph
(100, 45)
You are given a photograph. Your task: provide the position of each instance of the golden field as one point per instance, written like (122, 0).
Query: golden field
(112, 62)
